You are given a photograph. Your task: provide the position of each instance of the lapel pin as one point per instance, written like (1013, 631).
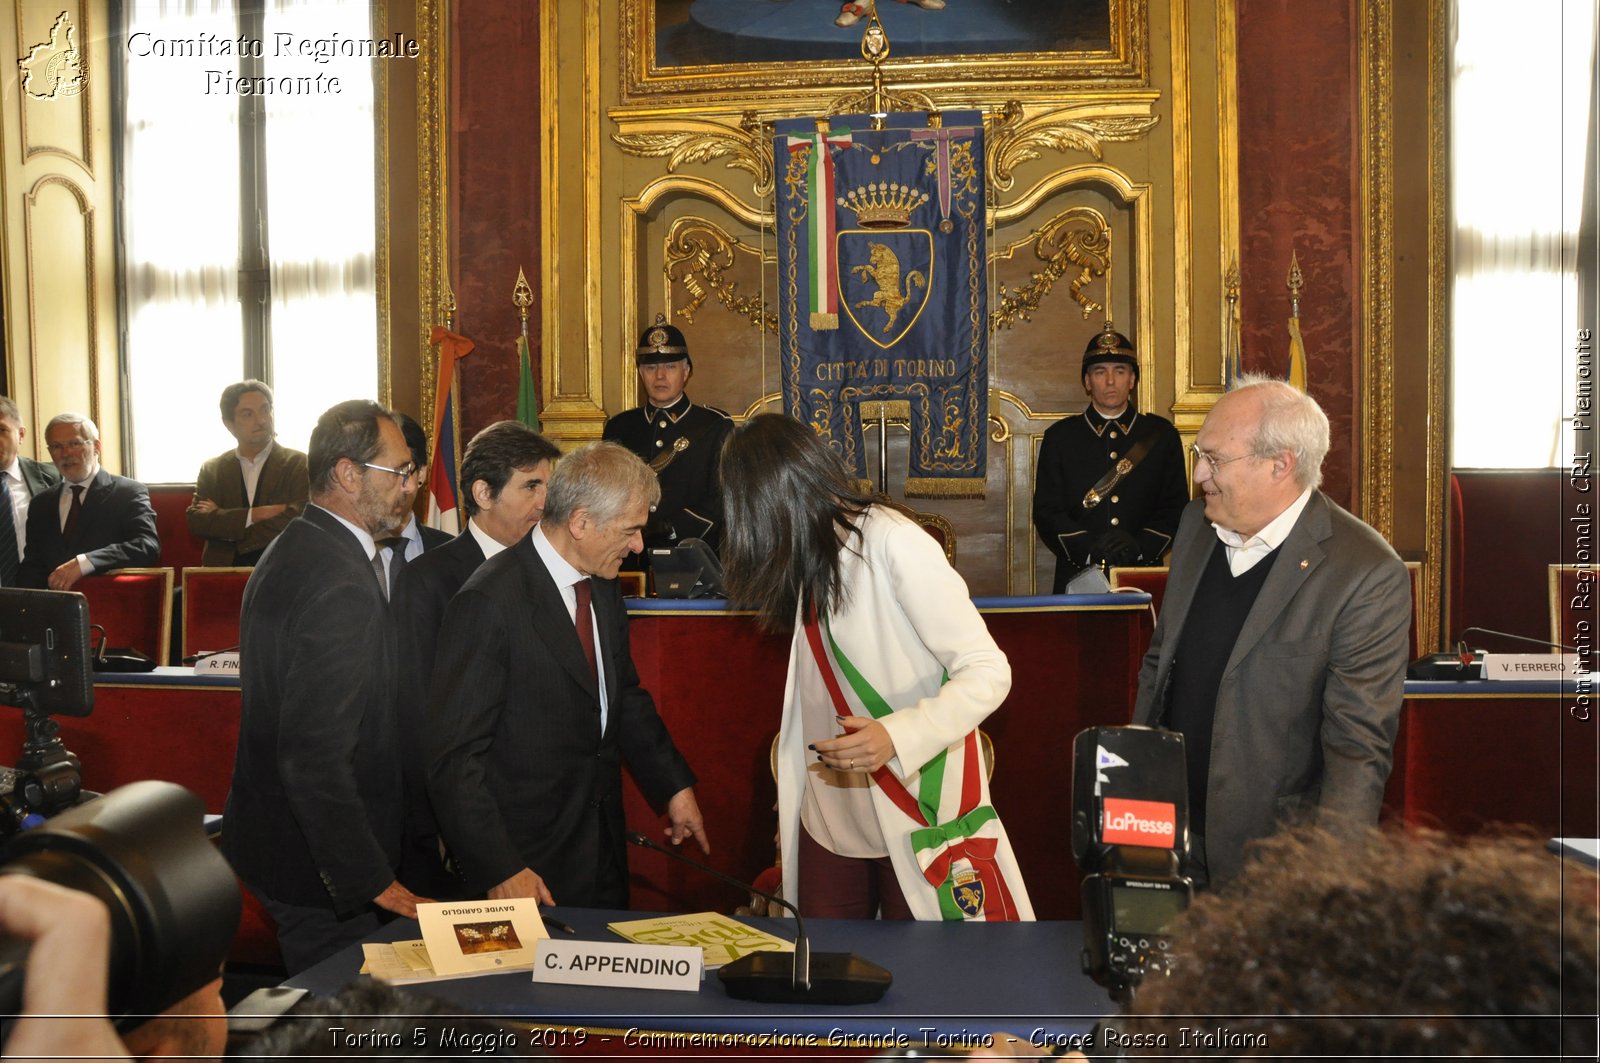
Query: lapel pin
(1304, 564)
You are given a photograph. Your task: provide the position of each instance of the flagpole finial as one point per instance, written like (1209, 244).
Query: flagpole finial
(1296, 282)
(522, 298)
(875, 49)
(1231, 281)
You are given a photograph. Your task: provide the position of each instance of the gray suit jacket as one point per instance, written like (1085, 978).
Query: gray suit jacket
(1310, 699)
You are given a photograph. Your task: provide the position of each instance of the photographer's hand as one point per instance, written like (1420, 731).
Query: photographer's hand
(64, 988)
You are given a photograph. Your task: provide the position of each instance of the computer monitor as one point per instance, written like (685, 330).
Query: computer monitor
(44, 652)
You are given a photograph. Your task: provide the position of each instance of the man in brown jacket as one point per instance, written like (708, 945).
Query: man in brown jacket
(244, 497)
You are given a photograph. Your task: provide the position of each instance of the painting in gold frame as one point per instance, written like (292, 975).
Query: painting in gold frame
(664, 63)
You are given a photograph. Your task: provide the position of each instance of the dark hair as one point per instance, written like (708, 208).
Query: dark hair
(416, 438)
(348, 430)
(1384, 944)
(788, 500)
(494, 453)
(234, 392)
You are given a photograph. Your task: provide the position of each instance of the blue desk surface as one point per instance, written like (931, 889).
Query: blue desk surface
(1025, 603)
(957, 979)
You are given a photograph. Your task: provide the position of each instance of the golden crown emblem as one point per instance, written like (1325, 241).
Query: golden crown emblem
(885, 205)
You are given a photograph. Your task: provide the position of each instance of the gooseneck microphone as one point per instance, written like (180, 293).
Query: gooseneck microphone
(784, 977)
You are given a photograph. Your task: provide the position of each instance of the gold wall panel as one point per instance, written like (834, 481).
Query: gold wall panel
(53, 57)
(58, 230)
(679, 200)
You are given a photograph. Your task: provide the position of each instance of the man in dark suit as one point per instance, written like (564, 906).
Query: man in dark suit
(93, 521)
(22, 478)
(245, 497)
(1130, 516)
(1280, 653)
(535, 702)
(415, 536)
(505, 470)
(313, 819)
(681, 441)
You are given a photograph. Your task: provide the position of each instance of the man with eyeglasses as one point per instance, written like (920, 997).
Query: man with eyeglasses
(1110, 484)
(245, 497)
(92, 521)
(314, 819)
(1280, 652)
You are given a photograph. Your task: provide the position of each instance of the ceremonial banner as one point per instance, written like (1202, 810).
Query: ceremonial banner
(882, 289)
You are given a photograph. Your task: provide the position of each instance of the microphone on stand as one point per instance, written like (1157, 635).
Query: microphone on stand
(784, 977)
(1466, 663)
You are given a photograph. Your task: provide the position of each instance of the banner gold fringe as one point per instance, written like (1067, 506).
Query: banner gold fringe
(943, 487)
(824, 322)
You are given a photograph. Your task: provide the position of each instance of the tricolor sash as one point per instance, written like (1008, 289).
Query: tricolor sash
(956, 852)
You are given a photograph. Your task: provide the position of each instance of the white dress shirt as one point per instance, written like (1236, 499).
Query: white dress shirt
(1244, 554)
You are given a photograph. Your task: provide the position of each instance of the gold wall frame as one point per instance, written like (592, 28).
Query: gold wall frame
(734, 85)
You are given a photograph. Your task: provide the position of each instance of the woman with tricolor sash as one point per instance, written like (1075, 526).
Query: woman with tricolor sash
(883, 801)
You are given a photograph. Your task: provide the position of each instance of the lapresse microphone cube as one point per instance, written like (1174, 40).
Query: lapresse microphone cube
(1130, 791)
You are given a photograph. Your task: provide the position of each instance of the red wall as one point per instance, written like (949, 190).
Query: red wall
(496, 115)
(1299, 181)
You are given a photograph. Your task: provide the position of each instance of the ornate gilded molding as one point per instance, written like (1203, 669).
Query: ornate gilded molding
(1016, 136)
(733, 85)
(747, 146)
(1376, 65)
(1078, 237)
(381, 253)
(698, 252)
(433, 237)
(1439, 234)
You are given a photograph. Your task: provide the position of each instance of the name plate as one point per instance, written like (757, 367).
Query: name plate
(1525, 666)
(226, 663)
(618, 963)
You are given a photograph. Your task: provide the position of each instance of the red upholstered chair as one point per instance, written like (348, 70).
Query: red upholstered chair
(1152, 579)
(180, 547)
(1572, 594)
(211, 599)
(134, 608)
(943, 532)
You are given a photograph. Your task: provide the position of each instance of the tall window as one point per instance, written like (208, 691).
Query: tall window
(1521, 122)
(249, 221)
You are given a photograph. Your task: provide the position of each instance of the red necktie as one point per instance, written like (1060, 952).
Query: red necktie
(73, 513)
(585, 622)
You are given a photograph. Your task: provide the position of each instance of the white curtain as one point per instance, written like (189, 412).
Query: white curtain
(1520, 124)
(321, 190)
(181, 208)
(181, 229)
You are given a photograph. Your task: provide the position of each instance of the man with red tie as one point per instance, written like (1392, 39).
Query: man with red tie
(93, 521)
(535, 703)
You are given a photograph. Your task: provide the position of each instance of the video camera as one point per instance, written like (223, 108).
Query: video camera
(1130, 831)
(141, 849)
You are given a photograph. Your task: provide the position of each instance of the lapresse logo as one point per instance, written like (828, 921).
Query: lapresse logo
(1149, 823)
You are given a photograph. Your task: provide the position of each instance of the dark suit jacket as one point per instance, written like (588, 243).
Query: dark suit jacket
(40, 476)
(433, 538)
(521, 775)
(1310, 699)
(423, 590)
(314, 814)
(1075, 453)
(117, 529)
(283, 480)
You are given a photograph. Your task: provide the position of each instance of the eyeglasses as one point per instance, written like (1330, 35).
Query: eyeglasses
(1215, 463)
(405, 472)
(71, 444)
